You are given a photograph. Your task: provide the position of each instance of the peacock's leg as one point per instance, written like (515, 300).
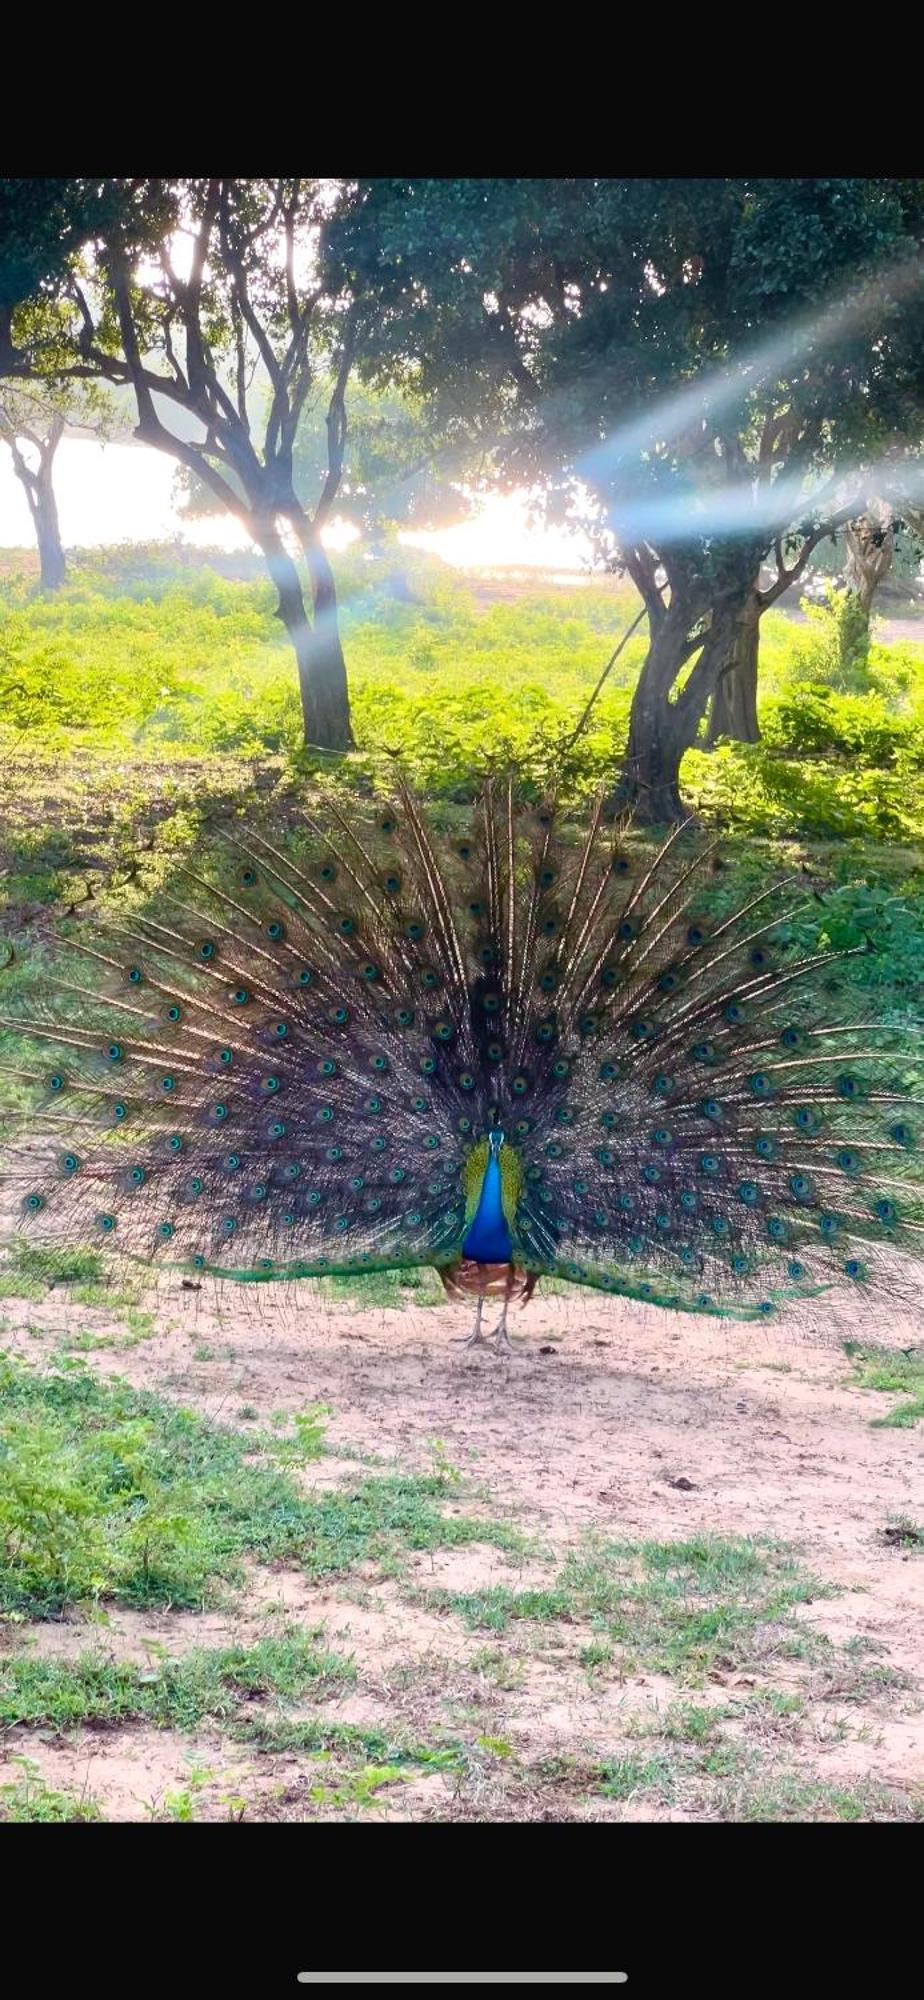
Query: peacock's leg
(476, 1337)
(500, 1338)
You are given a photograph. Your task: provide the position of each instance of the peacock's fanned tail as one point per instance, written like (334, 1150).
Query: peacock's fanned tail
(291, 1069)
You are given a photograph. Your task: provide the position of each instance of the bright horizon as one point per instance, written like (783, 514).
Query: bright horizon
(115, 493)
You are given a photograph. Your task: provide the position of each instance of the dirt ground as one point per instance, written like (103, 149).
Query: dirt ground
(634, 1426)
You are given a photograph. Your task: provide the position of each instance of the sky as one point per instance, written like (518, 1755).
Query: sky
(122, 492)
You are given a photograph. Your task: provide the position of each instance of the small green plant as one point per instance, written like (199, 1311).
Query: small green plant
(900, 1372)
(30, 1798)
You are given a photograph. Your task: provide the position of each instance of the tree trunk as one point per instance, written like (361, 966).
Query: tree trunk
(48, 533)
(322, 677)
(40, 493)
(327, 666)
(660, 732)
(733, 712)
(870, 550)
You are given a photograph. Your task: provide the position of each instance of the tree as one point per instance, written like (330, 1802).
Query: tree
(708, 358)
(33, 420)
(394, 475)
(180, 289)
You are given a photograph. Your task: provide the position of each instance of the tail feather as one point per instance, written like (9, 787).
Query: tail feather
(290, 1071)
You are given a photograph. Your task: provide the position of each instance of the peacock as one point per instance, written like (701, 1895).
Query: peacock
(517, 1053)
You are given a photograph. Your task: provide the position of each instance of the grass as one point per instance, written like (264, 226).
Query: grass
(789, 1796)
(667, 1607)
(898, 1372)
(207, 1685)
(108, 1494)
(30, 1798)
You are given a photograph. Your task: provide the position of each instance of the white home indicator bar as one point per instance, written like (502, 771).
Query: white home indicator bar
(462, 1978)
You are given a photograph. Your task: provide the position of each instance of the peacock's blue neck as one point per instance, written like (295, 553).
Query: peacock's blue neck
(488, 1239)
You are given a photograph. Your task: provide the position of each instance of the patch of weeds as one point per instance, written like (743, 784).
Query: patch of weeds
(210, 1684)
(381, 1519)
(280, 1735)
(498, 1668)
(671, 1607)
(307, 1440)
(108, 1493)
(358, 1789)
(624, 1777)
(792, 1797)
(846, 1677)
(898, 1372)
(598, 1654)
(377, 1289)
(30, 1272)
(31, 1799)
(495, 1608)
(687, 1723)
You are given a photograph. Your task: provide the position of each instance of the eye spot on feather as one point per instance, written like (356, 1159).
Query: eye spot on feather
(168, 1083)
(33, 1202)
(69, 1163)
(848, 1161)
(886, 1211)
(848, 1086)
(194, 1185)
(791, 1038)
(853, 1268)
(56, 1082)
(207, 949)
(494, 1052)
(764, 1147)
(107, 1223)
(137, 1176)
(748, 1192)
(306, 976)
(228, 1225)
(328, 1067)
(776, 1229)
(404, 1017)
(115, 1052)
(444, 1031)
(165, 1230)
(795, 1268)
(275, 931)
(239, 996)
(800, 1187)
(272, 1083)
(902, 1134)
(688, 1200)
(175, 1142)
(219, 1113)
(651, 1176)
(709, 1163)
